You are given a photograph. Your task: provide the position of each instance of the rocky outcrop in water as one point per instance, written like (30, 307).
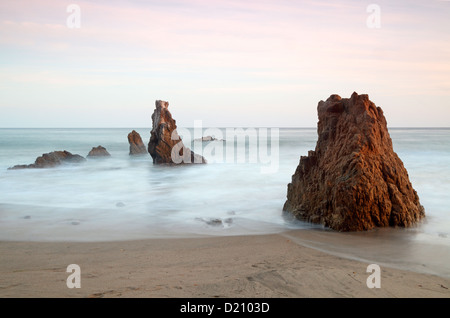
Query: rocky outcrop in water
(208, 138)
(98, 152)
(137, 147)
(166, 146)
(353, 180)
(216, 221)
(52, 159)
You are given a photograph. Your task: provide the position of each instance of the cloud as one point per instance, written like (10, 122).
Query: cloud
(246, 48)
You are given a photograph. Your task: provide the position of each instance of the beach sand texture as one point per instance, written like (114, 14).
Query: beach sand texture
(261, 266)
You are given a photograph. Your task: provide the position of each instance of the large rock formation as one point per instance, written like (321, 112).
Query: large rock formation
(353, 180)
(165, 144)
(52, 159)
(137, 147)
(99, 151)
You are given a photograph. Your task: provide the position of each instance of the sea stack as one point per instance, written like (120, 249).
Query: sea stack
(166, 146)
(52, 159)
(353, 180)
(99, 151)
(137, 147)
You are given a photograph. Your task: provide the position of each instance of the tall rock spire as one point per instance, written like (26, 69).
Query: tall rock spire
(165, 144)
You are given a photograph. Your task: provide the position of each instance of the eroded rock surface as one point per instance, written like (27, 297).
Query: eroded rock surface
(99, 151)
(166, 146)
(137, 147)
(353, 180)
(52, 159)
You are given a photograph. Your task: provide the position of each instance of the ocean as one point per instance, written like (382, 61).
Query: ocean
(241, 191)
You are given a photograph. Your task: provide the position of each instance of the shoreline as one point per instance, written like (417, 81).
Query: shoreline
(253, 266)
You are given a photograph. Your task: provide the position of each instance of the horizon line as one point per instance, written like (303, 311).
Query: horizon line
(222, 127)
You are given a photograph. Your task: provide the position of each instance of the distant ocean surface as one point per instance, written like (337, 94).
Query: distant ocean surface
(123, 197)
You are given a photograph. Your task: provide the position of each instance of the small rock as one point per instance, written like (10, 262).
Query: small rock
(216, 222)
(208, 138)
(98, 152)
(137, 147)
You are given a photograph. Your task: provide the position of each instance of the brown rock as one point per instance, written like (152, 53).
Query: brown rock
(52, 159)
(137, 147)
(353, 180)
(165, 144)
(206, 138)
(98, 152)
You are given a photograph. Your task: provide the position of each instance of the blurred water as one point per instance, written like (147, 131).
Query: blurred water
(128, 198)
(123, 197)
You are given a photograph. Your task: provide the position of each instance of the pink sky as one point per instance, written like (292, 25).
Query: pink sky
(228, 63)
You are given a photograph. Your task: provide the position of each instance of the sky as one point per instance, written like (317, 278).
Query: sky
(228, 63)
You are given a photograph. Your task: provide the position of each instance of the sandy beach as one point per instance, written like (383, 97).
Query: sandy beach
(260, 266)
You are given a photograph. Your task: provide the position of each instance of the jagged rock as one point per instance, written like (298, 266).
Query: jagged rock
(98, 152)
(165, 144)
(52, 159)
(137, 147)
(353, 180)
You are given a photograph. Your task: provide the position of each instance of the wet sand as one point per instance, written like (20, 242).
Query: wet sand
(275, 265)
